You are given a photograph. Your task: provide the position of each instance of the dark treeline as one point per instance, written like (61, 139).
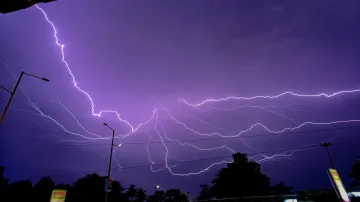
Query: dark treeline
(241, 180)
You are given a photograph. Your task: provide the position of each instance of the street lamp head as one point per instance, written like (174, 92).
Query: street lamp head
(45, 79)
(157, 186)
(105, 124)
(119, 145)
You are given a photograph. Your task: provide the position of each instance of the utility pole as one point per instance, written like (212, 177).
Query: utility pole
(326, 145)
(12, 93)
(111, 152)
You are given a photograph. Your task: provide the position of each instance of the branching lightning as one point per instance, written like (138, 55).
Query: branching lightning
(73, 116)
(162, 134)
(263, 108)
(75, 84)
(256, 125)
(269, 97)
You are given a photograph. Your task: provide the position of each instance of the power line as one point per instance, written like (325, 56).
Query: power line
(211, 158)
(220, 138)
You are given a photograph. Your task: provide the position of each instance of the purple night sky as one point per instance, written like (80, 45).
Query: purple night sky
(135, 56)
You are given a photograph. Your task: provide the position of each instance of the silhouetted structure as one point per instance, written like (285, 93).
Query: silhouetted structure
(7, 6)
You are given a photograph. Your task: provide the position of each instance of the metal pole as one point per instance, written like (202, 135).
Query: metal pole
(332, 164)
(326, 145)
(109, 170)
(10, 98)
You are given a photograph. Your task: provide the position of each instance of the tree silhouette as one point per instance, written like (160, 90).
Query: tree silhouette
(205, 193)
(170, 195)
(92, 188)
(173, 195)
(159, 196)
(281, 189)
(303, 195)
(3, 181)
(62, 186)
(131, 192)
(140, 195)
(355, 174)
(89, 188)
(42, 190)
(116, 193)
(116, 187)
(240, 178)
(19, 191)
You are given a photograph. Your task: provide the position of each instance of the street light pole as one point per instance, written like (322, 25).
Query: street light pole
(326, 145)
(111, 152)
(12, 93)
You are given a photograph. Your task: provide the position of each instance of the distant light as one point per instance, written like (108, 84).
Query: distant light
(354, 194)
(157, 186)
(290, 200)
(119, 145)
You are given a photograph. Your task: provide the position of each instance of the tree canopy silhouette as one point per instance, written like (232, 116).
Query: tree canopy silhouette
(171, 195)
(205, 192)
(3, 181)
(355, 174)
(239, 179)
(140, 195)
(19, 191)
(89, 188)
(281, 189)
(131, 192)
(157, 197)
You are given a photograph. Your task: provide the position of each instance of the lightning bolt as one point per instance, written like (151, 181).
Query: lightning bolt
(73, 116)
(255, 125)
(268, 97)
(259, 157)
(114, 158)
(263, 108)
(193, 146)
(75, 84)
(153, 162)
(169, 168)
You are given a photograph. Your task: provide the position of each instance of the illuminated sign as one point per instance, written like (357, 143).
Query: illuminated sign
(338, 185)
(108, 184)
(58, 195)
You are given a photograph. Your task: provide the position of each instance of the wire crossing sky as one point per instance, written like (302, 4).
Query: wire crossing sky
(212, 120)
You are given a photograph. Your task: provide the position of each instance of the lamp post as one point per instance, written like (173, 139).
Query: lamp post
(326, 145)
(12, 93)
(110, 160)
